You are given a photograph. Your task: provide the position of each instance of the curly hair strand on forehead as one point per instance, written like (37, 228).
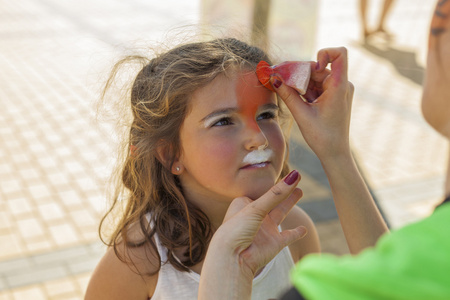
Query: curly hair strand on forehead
(159, 102)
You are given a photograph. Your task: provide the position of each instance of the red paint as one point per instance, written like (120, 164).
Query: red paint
(263, 71)
(295, 74)
(251, 95)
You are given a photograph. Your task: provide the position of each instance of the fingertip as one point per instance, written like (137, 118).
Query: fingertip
(317, 67)
(276, 82)
(299, 193)
(292, 177)
(323, 59)
(293, 235)
(302, 231)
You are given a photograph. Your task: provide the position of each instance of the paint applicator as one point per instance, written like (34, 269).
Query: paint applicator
(295, 74)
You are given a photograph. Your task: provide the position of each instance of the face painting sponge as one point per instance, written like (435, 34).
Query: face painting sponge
(295, 74)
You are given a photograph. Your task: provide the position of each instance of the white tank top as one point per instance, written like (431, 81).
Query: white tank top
(271, 283)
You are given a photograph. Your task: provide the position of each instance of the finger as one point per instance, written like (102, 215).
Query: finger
(289, 95)
(313, 92)
(277, 193)
(279, 213)
(291, 235)
(318, 73)
(351, 90)
(337, 57)
(315, 85)
(236, 206)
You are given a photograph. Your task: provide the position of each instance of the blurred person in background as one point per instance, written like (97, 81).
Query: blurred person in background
(380, 28)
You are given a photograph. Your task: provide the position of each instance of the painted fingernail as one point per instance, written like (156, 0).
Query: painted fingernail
(317, 66)
(291, 178)
(276, 83)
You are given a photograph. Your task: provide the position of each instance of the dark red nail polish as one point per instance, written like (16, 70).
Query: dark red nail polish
(317, 66)
(277, 83)
(291, 178)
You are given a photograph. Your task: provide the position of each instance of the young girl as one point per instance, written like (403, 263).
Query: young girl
(204, 132)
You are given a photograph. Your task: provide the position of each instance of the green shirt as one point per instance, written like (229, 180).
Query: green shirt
(410, 263)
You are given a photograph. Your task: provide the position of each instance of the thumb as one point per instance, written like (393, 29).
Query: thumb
(290, 97)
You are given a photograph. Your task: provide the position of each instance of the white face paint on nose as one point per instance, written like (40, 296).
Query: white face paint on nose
(258, 156)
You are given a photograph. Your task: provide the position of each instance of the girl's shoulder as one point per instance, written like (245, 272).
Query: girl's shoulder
(126, 277)
(308, 244)
(125, 272)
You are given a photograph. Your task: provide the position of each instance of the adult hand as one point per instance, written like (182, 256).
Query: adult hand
(252, 226)
(324, 118)
(248, 239)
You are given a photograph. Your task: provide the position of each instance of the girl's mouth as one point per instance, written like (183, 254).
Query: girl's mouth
(257, 165)
(257, 158)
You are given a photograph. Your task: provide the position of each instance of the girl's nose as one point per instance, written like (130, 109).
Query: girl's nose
(255, 138)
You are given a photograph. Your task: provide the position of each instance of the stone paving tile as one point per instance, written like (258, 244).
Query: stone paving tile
(49, 266)
(71, 287)
(415, 200)
(332, 237)
(45, 188)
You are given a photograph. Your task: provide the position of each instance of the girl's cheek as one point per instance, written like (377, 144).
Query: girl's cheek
(220, 150)
(274, 132)
(279, 143)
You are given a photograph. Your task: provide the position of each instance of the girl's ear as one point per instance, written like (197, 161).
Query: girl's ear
(165, 155)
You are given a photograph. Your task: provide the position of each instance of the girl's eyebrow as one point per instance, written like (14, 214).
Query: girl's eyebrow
(271, 106)
(223, 111)
(229, 110)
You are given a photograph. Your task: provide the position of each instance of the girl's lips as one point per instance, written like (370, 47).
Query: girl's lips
(257, 165)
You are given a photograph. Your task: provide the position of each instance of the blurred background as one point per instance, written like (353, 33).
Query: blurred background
(56, 155)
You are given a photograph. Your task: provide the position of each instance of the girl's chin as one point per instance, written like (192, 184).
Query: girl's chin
(259, 190)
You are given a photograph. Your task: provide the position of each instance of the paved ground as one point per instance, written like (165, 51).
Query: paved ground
(55, 156)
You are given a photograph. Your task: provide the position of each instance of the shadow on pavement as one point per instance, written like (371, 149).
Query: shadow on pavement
(320, 209)
(403, 61)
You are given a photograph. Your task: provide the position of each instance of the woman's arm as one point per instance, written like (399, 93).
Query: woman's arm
(360, 218)
(324, 122)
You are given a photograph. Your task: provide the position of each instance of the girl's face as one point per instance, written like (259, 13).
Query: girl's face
(229, 118)
(436, 93)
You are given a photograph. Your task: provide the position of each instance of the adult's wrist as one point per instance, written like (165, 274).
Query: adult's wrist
(336, 159)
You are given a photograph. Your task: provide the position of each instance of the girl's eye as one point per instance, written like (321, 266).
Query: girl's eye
(267, 115)
(223, 122)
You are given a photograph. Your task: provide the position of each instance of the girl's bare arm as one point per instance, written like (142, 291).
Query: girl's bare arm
(114, 279)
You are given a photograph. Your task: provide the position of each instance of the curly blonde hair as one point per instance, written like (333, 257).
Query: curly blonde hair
(159, 101)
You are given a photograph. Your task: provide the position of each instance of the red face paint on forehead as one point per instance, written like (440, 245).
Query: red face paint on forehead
(251, 95)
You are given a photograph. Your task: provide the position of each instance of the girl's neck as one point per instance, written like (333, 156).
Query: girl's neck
(215, 210)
